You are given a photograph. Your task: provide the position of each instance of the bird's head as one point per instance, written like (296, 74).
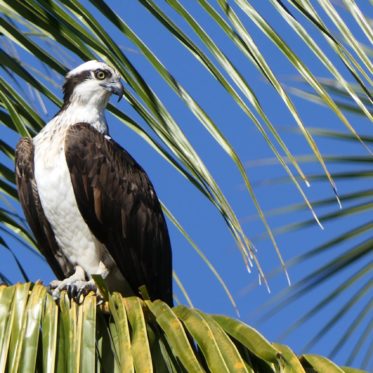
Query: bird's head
(92, 83)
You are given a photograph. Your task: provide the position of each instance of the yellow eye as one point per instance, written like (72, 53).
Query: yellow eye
(100, 74)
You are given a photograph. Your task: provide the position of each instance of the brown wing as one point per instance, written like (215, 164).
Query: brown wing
(120, 206)
(30, 202)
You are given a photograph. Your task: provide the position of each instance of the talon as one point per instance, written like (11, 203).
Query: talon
(79, 299)
(82, 292)
(81, 295)
(69, 284)
(76, 286)
(71, 290)
(85, 290)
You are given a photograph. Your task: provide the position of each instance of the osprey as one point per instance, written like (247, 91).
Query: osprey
(91, 207)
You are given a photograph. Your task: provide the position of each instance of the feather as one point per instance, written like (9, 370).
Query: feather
(121, 209)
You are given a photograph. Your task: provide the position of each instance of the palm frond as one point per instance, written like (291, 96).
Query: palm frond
(129, 334)
(346, 252)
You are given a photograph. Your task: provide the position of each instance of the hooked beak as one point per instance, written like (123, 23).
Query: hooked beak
(115, 88)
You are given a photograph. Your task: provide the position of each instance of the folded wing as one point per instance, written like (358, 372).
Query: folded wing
(119, 205)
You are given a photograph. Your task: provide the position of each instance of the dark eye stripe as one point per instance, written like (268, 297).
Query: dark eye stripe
(72, 82)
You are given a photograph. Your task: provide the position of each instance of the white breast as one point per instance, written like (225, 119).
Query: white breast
(59, 204)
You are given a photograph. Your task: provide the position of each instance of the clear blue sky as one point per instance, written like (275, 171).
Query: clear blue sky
(194, 212)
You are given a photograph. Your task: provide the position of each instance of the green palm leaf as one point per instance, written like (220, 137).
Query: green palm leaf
(37, 334)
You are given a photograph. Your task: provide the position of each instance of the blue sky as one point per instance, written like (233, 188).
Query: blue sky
(198, 217)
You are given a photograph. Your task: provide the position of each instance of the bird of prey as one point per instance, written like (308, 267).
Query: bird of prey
(90, 205)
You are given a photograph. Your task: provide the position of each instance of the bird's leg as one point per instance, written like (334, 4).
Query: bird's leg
(73, 285)
(81, 288)
(78, 275)
(85, 287)
(76, 285)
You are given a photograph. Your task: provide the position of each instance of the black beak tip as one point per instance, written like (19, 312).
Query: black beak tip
(120, 93)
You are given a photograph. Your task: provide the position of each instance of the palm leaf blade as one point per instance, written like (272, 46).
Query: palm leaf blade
(188, 333)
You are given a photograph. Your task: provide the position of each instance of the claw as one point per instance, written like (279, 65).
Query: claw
(75, 290)
(76, 286)
(84, 291)
(71, 290)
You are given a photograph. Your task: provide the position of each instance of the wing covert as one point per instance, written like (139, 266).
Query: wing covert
(120, 206)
